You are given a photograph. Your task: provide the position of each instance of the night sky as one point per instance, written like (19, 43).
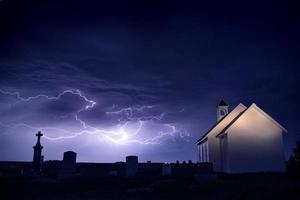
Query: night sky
(108, 80)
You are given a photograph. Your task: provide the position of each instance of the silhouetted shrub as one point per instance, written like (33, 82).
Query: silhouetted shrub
(294, 161)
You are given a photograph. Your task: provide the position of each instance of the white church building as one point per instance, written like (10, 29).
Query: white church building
(243, 140)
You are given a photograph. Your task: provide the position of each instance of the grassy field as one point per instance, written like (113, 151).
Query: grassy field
(250, 186)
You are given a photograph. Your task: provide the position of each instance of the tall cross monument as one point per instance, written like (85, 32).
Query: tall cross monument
(37, 154)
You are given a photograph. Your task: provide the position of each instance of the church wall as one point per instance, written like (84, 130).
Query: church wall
(255, 144)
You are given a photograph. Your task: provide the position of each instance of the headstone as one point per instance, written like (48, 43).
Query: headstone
(69, 162)
(131, 166)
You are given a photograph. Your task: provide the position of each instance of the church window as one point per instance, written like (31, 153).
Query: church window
(222, 112)
(203, 152)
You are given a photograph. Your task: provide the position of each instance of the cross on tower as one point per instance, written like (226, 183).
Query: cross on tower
(37, 154)
(39, 135)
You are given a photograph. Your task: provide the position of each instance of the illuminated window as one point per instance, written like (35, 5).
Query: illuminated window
(207, 154)
(203, 152)
(200, 153)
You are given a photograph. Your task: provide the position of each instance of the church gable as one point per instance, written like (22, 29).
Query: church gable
(254, 106)
(251, 114)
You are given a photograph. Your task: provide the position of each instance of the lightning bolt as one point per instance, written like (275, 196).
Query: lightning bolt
(55, 98)
(118, 136)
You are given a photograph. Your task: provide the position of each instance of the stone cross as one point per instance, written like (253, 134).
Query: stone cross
(39, 135)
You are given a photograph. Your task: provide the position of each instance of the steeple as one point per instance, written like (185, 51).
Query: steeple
(222, 109)
(37, 154)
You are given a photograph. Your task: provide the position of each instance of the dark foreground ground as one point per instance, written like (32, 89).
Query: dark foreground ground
(250, 186)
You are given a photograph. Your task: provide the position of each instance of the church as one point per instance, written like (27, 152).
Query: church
(245, 140)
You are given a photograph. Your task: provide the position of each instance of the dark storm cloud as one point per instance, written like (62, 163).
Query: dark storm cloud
(178, 57)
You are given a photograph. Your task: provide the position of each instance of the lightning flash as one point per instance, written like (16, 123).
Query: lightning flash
(127, 130)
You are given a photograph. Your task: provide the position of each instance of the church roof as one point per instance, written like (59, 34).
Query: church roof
(236, 118)
(216, 124)
(232, 122)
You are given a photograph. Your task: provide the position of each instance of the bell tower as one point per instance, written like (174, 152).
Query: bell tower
(222, 109)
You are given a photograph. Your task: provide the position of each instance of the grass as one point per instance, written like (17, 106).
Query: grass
(248, 186)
